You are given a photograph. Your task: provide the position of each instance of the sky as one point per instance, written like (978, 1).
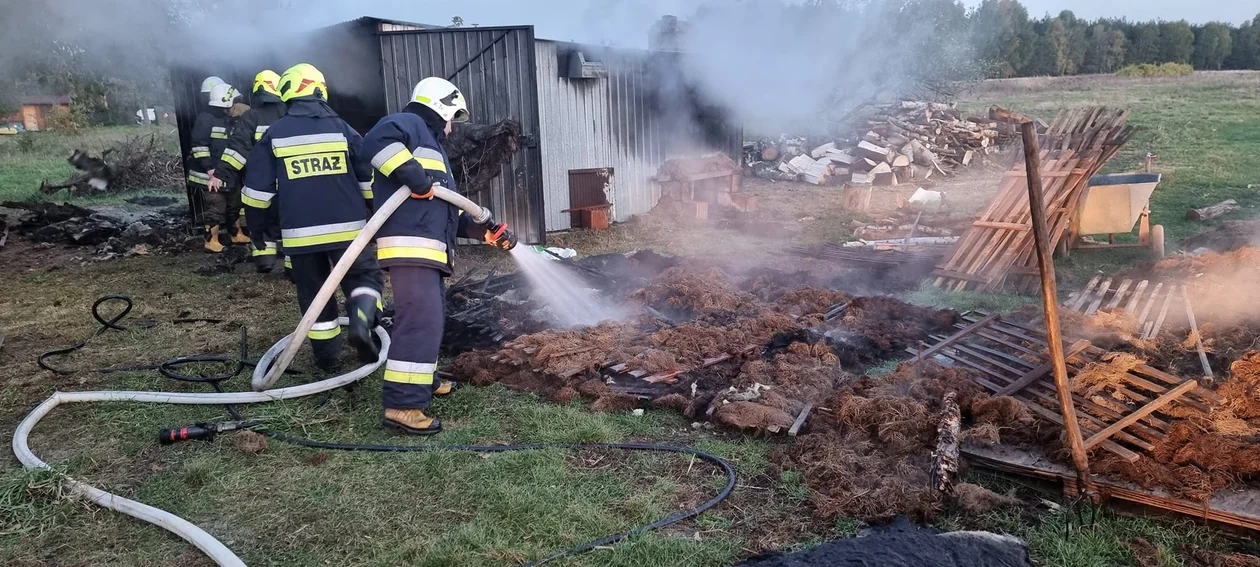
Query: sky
(625, 22)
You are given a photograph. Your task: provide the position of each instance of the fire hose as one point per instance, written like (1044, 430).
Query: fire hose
(266, 371)
(479, 214)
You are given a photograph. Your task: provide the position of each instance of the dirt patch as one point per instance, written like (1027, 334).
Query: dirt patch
(976, 499)
(250, 443)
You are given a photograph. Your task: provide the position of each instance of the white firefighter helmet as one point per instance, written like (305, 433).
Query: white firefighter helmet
(443, 97)
(210, 83)
(223, 95)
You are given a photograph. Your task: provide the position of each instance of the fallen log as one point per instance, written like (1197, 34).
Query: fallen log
(1213, 211)
(945, 457)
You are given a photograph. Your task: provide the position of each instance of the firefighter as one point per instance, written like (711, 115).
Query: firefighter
(306, 166)
(266, 108)
(209, 138)
(195, 184)
(416, 244)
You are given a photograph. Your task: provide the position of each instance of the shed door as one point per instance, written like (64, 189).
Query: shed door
(494, 68)
(30, 118)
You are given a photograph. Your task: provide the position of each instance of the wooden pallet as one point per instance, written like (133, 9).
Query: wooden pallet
(1000, 246)
(1012, 361)
(1235, 507)
(1148, 303)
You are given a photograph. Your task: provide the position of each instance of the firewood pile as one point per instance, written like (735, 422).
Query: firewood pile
(132, 164)
(899, 143)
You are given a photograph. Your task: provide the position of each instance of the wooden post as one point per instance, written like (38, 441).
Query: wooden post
(1049, 297)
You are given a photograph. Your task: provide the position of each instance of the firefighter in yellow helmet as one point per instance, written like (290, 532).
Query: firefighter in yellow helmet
(229, 174)
(306, 166)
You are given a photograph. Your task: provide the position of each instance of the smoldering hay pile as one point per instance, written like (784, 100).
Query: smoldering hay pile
(751, 354)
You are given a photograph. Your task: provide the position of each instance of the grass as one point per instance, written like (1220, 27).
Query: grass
(1205, 130)
(30, 158)
(294, 506)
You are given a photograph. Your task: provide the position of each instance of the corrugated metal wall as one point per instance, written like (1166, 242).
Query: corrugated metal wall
(494, 67)
(630, 121)
(593, 123)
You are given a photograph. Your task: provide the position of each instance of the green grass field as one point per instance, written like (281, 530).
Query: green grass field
(29, 158)
(1205, 130)
(295, 506)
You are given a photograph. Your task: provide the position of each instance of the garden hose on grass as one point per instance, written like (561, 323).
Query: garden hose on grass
(216, 550)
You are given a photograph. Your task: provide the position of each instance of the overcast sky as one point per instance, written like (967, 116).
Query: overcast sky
(625, 22)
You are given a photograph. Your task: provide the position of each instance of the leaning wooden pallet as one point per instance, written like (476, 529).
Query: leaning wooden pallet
(999, 247)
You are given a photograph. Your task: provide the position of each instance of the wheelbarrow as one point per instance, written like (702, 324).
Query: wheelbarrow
(1111, 205)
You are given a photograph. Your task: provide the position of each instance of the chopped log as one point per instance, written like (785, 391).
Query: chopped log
(945, 457)
(897, 140)
(871, 151)
(902, 160)
(880, 169)
(1211, 212)
(860, 178)
(770, 153)
(822, 150)
(884, 179)
(864, 164)
(855, 197)
(842, 158)
(967, 157)
(799, 164)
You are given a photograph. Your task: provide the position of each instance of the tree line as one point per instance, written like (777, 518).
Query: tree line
(1012, 44)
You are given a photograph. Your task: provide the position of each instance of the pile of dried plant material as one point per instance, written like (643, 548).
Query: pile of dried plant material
(869, 453)
(878, 328)
(695, 291)
(1202, 453)
(1107, 375)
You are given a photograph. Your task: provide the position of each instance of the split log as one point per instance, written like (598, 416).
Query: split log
(1206, 213)
(902, 160)
(822, 150)
(842, 158)
(770, 153)
(871, 151)
(945, 458)
(864, 164)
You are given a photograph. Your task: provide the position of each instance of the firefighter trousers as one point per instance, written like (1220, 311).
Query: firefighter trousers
(309, 273)
(419, 319)
(223, 207)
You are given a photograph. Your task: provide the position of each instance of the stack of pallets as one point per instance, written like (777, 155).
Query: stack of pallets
(999, 247)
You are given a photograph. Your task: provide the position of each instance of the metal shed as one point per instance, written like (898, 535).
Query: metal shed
(581, 108)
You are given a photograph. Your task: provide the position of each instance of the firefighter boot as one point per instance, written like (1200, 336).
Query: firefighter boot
(212, 239)
(364, 316)
(411, 421)
(239, 237)
(444, 387)
(265, 263)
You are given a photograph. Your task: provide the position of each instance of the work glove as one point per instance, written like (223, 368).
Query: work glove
(426, 193)
(500, 237)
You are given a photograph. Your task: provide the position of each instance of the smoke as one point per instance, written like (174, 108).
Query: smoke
(775, 65)
(784, 67)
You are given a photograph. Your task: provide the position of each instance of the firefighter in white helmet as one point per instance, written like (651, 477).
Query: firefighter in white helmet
(209, 138)
(196, 183)
(416, 245)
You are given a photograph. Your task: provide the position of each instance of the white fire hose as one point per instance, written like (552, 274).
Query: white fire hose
(166, 520)
(277, 359)
(479, 214)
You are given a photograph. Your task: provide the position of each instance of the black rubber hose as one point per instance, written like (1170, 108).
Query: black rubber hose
(215, 381)
(671, 519)
(106, 325)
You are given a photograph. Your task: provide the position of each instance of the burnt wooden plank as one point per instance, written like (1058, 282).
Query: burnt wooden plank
(1145, 410)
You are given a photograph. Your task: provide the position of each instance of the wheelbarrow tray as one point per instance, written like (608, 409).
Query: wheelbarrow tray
(1112, 204)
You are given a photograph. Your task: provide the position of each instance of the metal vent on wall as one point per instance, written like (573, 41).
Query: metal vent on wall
(580, 68)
